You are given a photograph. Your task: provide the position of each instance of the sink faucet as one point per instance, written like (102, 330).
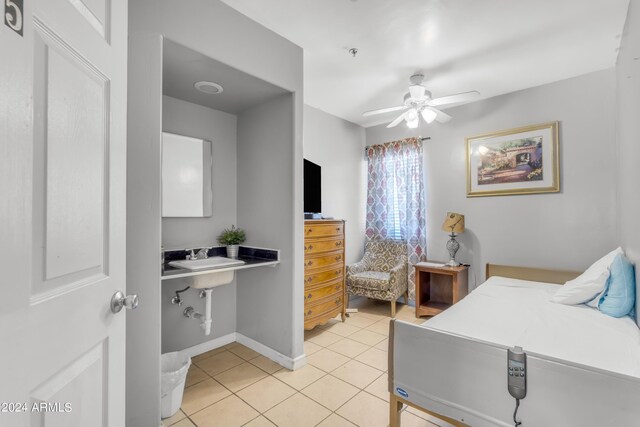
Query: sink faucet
(202, 253)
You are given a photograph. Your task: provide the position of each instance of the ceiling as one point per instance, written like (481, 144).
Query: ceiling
(492, 46)
(182, 67)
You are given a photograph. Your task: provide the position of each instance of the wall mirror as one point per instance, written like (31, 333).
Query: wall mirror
(186, 176)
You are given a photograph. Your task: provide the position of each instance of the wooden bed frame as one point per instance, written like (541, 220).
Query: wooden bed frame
(532, 274)
(412, 335)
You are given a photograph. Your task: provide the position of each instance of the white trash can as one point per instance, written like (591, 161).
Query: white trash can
(174, 373)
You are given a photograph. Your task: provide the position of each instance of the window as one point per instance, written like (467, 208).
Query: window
(395, 196)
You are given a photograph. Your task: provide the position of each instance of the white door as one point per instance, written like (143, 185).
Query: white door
(62, 212)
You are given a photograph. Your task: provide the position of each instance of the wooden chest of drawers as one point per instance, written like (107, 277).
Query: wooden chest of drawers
(324, 269)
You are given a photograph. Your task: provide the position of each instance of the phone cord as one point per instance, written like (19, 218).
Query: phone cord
(516, 423)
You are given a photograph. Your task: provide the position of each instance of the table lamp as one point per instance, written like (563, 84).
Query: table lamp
(453, 223)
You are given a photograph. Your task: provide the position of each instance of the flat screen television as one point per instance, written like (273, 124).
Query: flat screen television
(312, 187)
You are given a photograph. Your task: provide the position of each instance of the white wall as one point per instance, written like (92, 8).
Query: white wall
(266, 309)
(144, 126)
(338, 147)
(194, 120)
(218, 31)
(628, 91)
(566, 230)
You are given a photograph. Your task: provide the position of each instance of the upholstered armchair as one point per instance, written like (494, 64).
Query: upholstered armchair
(381, 274)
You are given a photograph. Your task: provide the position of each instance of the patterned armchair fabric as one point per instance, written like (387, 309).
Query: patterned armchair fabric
(382, 272)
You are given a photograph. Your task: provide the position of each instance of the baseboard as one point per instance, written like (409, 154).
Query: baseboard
(210, 345)
(268, 352)
(299, 362)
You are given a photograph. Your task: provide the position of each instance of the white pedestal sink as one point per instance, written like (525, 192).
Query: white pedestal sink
(209, 275)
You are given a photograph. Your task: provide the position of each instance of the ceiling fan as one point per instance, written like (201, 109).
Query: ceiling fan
(418, 102)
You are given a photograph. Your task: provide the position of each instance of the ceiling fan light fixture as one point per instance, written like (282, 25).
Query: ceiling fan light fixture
(412, 114)
(420, 102)
(428, 115)
(412, 118)
(417, 91)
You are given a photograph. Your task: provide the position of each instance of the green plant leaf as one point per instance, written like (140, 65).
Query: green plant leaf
(232, 236)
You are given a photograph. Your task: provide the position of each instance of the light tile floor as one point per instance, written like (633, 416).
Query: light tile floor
(343, 384)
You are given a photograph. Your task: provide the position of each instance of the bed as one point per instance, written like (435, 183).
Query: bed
(583, 368)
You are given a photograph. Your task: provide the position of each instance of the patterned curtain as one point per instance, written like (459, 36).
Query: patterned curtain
(395, 198)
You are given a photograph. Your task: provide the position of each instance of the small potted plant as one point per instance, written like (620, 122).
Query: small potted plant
(231, 238)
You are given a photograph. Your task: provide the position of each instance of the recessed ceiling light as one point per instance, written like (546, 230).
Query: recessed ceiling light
(210, 88)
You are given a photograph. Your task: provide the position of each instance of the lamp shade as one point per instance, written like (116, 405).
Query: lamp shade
(453, 223)
(412, 119)
(429, 115)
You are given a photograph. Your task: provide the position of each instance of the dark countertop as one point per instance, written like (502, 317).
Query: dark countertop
(252, 257)
(173, 272)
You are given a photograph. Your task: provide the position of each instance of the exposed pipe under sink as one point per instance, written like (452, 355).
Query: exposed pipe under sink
(205, 320)
(191, 313)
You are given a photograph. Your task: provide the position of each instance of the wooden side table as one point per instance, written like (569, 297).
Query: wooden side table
(438, 288)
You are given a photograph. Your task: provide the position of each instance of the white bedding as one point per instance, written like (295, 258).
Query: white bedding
(514, 312)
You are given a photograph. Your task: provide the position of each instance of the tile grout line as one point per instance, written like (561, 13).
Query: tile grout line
(239, 397)
(260, 412)
(358, 388)
(315, 401)
(353, 385)
(296, 391)
(221, 372)
(347, 401)
(226, 388)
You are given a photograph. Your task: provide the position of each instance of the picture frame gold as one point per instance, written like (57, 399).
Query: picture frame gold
(523, 160)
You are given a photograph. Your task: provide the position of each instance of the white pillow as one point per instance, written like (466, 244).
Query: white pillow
(590, 285)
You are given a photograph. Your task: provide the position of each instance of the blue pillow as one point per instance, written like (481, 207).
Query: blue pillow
(620, 297)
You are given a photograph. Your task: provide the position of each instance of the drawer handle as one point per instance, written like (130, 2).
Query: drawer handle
(309, 296)
(338, 287)
(308, 263)
(338, 258)
(310, 247)
(338, 301)
(337, 272)
(339, 243)
(309, 230)
(338, 228)
(309, 312)
(309, 279)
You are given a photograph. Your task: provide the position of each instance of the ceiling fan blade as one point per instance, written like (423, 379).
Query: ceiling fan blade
(397, 120)
(384, 110)
(453, 99)
(441, 116)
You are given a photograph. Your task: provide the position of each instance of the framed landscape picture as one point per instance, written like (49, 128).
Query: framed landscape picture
(514, 161)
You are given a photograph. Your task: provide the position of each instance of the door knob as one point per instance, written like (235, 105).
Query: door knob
(119, 300)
